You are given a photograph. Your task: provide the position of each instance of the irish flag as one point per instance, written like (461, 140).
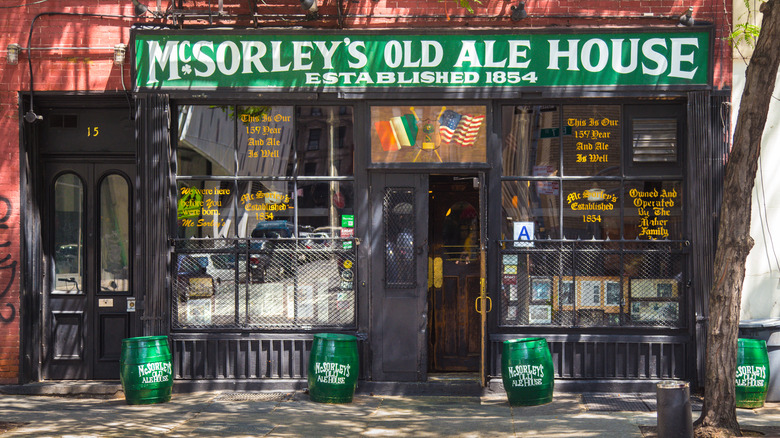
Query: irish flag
(400, 131)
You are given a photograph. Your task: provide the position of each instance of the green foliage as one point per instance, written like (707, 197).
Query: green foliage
(255, 111)
(465, 4)
(745, 32)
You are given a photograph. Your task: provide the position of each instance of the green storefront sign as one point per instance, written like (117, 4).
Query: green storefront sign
(362, 61)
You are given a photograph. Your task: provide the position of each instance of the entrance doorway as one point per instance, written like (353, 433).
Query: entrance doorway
(87, 175)
(454, 328)
(89, 296)
(427, 266)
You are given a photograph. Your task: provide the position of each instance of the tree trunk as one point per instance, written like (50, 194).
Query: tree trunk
(719, 413)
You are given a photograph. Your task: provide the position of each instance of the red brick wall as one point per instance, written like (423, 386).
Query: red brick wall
(53, 71)
(93, 70)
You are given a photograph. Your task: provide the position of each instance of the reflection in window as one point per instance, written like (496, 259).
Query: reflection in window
(114, 234)
(206, 141)
(537, 202)
(322, 204)
(325, 136)
(264, 140)
(342, 138)
(68, 233)
(263, 201)
(531, 140)
(314, 139)
(205, 209)
(265, 245)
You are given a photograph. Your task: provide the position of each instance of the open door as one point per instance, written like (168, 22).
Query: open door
(399, 266)
(455, 271)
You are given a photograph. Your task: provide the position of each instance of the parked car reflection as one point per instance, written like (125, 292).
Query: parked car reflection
(192, 278)
(270, 256)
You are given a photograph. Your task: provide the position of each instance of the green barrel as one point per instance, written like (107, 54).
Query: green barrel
(333, 368)
(752, 373)
(527, 371)
(145, 370)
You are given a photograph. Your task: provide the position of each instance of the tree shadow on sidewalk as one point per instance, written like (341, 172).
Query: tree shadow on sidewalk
(7, 426)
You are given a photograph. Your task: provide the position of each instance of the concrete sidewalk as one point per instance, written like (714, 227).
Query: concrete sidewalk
(292, 414)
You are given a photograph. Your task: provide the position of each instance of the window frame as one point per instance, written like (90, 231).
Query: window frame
(660, 169)
(615, 313)
(236, 244)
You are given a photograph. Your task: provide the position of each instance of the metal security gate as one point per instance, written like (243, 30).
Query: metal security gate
(270, 281)
(610, 311)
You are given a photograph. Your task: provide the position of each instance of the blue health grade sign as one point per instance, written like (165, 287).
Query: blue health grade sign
(363, 61)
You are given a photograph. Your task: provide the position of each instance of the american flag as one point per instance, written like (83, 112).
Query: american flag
(448, 122)
(468, 128)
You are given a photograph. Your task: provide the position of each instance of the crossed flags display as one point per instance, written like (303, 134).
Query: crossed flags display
(401, 131)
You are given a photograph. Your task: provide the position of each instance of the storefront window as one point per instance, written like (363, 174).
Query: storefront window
(536, 203)
(591, 140)
(321, 205)
(205, 209)
(591, 209)
(428, 134)
(531, 140)
(262, 201)
(265, 140)
(206, 141)
(265, 217)
(653, 210)
(601, 242)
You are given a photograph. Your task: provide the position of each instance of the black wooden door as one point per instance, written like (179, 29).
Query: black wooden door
(89, 301)
(455, 330)
(399, 268)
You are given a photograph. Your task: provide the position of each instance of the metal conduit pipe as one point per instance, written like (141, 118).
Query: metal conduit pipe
(203, 15)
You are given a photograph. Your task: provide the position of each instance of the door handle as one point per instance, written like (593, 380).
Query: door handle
(477, 307)
(438, 273)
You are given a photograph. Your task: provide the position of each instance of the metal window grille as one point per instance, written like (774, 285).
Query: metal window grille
(399, 222)
(594, 284)
(263, 283)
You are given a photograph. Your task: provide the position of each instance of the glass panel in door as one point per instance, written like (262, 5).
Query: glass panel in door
(68, 234)
(114, 234)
